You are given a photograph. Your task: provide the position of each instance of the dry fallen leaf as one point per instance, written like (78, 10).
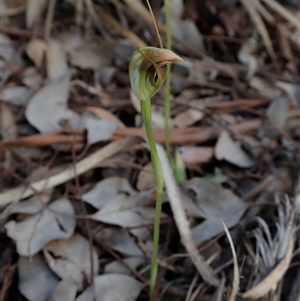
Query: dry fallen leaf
(56, 61)
(118, 267)
(188, 117)
(34, 11)
(277, 111)
(36, 280)
(105, 190)
(47, 109)
(146, 178)
(207, 199)
(112, 287)
(88, 56)
(97, 130)
(65, 290)
(230, 150)
(34, 232)
(124, 211)
(119, 240)
(71, 258)
(35, 50)
(17, 95)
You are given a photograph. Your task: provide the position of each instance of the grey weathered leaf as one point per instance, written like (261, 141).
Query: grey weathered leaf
(112, 287)
(31, 206)
(292, 90)
(57, 67)
(118, 240)
(208, 199)
(118, 267)
(277, 111)
(65, 290)
(71, 258)
(105, 190)
(7, 49)
(98, 130)
(17, 95)
(47, 109)
(34, 11)
(36, 280)
(34, 232)
(229, 150)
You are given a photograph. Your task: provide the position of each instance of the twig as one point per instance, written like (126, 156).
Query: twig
(90, 162)
(182, 223)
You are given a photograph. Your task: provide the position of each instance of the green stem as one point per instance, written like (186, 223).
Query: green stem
(167, 104)
(157, 168)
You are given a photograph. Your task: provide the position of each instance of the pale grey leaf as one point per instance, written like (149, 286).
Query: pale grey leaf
(71, 258)
(36, 280)
(47, 109)
(105, 190)
(33, 233)
(112, 287)
(278, 110)
(231, 151)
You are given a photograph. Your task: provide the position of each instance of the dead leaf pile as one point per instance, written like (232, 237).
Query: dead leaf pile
(77, 199)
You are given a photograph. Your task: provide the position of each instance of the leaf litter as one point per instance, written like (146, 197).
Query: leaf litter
(77, 200)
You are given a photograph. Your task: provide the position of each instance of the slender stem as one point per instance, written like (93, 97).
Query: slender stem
(157, 168)
(167, 103)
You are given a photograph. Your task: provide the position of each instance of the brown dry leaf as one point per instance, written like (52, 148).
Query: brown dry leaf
(8, 128)
(71, 258)
(277, 111)
(187, 118)
(36, 280)
(207, 199)
(105, 115)
(57, 67)
(196, 154)
(89, 56)
(34, 11)
(34, 232)
(104, 289)
(36, 49)
(230, 150)
(146, 178)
